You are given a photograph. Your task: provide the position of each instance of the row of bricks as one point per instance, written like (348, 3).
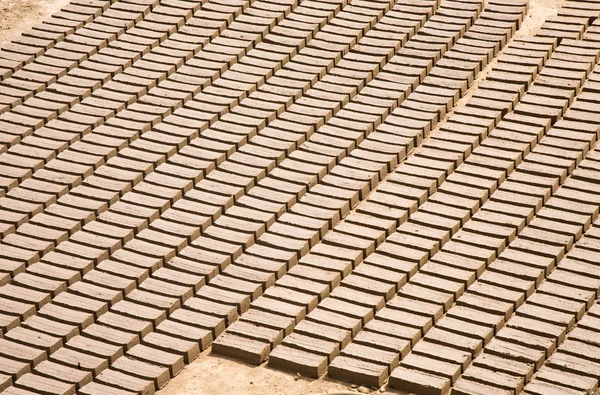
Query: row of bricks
(563, 27)
(35, 42)
(548, 179)
(191, 181)
(401, 195)
(406, 195)
(156, 137)
(470, 242)
(424, 220)
(574, 367)
(105, 265)
(205, 304)
(106, 140)
(157, 212)
(540, 319)
(74, 49)
(580, 9)
(200, 142)
(51, 259)
(133, 58)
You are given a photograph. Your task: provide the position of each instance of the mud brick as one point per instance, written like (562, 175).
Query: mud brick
(8, 322)
(189, 349)
(110, 281)
(538, 327)
(111, 335)
(138, 311)
(34, 339)
(172, 361)
(431, 366)
(252, 331)
(465, 386)
(308, 301)
(573, 364)
(300, 361)
(355, 370)
(516, 352)
(443, 353)
(64, 373)
(509, 282)
(154, 301)
(97, 348)
(13, 368)
(125, 381)
(95, 388)
(22, 353)
(43, 384)
(51, 327)
(565, 306)
(280, 307)
(503, 365)
(390, 344)
(122, 323)
(417, 381)
(143, 370)
(5, 381)
(554, 376)
(527, 339)
(25, 295)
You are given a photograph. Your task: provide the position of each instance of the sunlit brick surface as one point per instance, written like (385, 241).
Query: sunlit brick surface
(294, 182)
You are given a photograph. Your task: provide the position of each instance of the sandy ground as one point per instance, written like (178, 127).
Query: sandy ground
(16, 16)
(209, 374)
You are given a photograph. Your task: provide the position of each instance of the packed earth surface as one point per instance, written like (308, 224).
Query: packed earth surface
(299, 197)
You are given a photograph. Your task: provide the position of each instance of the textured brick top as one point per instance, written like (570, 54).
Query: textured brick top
(319, 184)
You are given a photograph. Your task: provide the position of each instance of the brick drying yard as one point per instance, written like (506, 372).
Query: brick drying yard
(401, 196)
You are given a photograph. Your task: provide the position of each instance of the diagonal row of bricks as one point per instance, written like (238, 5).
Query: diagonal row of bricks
(88, 335)
(375, 269)
(188, 353)
(68, 74)
(273, 309)
(402, 197)
(574, 368)
(33, 43)
(535, 168)
(521, 328)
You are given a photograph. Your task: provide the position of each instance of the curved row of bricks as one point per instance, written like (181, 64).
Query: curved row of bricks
(144, 163)
(50, 255)
(151, 149)
(574, 368)
(448, 278)
(263, 306)
(35, 42)
(528, 325)
(103, 378)
(384, 289)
